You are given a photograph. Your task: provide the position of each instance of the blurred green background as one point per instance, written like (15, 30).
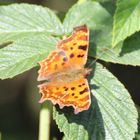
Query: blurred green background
(19, 107)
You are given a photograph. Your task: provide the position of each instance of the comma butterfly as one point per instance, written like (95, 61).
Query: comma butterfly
(64, 70)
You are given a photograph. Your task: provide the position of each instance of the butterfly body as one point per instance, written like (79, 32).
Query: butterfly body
(64, 70)
(67, 76)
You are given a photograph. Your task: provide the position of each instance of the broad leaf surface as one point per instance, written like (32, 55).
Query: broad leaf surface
(100, 23)
(112, 115)
(24, 54)
(126, 20)
(79, 15)
(19, 20)
(125, 53)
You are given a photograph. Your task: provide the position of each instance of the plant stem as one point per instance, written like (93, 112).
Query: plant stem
(44, 122)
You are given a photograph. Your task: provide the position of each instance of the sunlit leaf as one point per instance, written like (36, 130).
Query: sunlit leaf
(20, 20)
(126, 20)
(24, 54)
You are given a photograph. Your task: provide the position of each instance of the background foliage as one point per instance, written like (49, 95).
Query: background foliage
(29, 32)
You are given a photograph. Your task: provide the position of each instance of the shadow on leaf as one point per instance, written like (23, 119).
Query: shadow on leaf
(89, 121)
(131, 44)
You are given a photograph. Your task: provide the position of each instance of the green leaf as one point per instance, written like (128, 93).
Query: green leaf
(79, 15)
(24, 54)
(110, 6)
(101, 36)
(100, 23)
(126, 53)
(126, 20)
(112, 115)
(20, 20)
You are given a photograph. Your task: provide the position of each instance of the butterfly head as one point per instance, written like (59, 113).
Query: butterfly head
(87, 71)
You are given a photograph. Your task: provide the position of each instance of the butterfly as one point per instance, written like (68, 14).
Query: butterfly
(64, 70)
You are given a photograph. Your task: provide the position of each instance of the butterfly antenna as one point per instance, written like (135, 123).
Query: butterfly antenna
(98, 57)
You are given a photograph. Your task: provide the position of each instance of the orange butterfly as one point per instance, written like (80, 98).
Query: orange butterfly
(64, 70)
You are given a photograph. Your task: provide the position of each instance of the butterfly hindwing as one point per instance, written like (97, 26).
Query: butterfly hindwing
(76, 94)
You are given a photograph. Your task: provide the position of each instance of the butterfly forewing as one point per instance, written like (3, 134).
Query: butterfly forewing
(76, 46)
(55, 62)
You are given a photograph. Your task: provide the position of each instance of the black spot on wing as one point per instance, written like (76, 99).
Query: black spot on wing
(72, 94)
(79, 85)
(76, 97)
(71, 55)
(83, 47)
(65, 88)
(71, 48)
(83, 91)
(73, 88)
(80, 55)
